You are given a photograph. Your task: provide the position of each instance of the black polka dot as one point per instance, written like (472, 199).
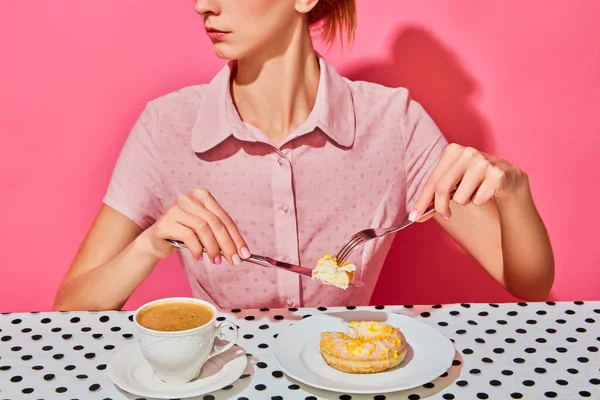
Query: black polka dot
(127, 335)
(130, 318)
(27, 390)
(479, 340)
(26, 330)
(104, 318)
(26, 357)
(483, 314)
(482, 396)
(454, 313)
(49, 377)
(498, 350)
(16, 348)
(263, 346)
(78, 347)
(561, 349)
(94, 387)
(82, 376)
(507, 372)
(413, 397)
(540, 370)
(592, 349)
(75, 320)
(462, 383)
(70, 367)
(345, 397)
(487, 360)
(519, 360)
(279, 317)
(5, 368)
(263, 327)
(521, 331)
(408, 306)
(495, 382)
(595, 381)
(209, 397)
(590, 320)
(475, 371)
(425, 314)
(530, 350)
(220, 319)
(275, 335)
(292, 309)
(379, 307)
(562, 382)
(461, 332)
(572, 371)
(101, 367)
(581, 330)
(528, 382)
(583, 359)
(516, 395)
(379, 397)
(501, 322)
(118, 328)
(67, 336)
(490, 331)
(109, 347)
(293, 387)
(494, 305)
(551, 330)
(37, 367)
(97, 336)
(448, 396)
(322, 308)
(442, 323)
(307, 316)
(61, 389)
(46, 320)
(512, 313)
(467, 351)
(585, 393)
(47, 348)
(58, 356)
(248, 336)
(260, 387)
(550, 395)
(276, 398)
(310, 398)
(471, 322)
(456, 363)
(5, 338)
(56, 330)
(541, 340)
(541, 312)
(531, 322)
(551, 360)
(36, 337)
(561, 321)
(249, 318)
(571, 340)
(16, 379)
(86, 329)
(236, 310)
(277, 374)
(429, 385)
(261, 365)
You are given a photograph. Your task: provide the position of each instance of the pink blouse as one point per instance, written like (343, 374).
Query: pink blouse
(358, 161)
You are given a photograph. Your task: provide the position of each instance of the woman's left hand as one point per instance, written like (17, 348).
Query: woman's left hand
(479, 176)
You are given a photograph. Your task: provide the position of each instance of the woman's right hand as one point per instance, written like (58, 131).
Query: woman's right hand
(199, 221)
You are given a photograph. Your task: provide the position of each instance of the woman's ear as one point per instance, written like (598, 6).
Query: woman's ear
(305, 6)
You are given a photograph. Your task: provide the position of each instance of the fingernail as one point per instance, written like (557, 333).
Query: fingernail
(218, 260)
(414, 214)
(446, 217)
(236, 259)
(245, 252)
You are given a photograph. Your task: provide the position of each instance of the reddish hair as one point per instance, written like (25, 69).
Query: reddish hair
(334, 17)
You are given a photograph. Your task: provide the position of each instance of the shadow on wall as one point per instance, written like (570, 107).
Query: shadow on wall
(424, 265)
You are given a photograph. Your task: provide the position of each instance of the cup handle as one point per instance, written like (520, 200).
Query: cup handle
(221, 335)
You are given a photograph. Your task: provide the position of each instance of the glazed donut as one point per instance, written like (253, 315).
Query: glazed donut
(365, 348)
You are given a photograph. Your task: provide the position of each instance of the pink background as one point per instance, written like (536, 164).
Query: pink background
(515, 78)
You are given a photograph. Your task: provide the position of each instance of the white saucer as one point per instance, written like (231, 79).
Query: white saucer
(296, 350)
(129, 370)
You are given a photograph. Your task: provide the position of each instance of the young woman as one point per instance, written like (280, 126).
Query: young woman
(279, 155)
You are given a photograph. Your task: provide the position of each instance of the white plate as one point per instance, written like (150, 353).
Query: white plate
(129, 370)
(296, 350)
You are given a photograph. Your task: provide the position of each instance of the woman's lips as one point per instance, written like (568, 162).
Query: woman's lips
(216, 34)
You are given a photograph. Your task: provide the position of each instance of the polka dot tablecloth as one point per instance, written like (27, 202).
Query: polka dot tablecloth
(506, 351)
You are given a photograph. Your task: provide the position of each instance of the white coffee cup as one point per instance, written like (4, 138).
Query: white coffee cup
(178, 356)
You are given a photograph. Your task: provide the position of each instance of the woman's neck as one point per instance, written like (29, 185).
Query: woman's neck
(276, 93)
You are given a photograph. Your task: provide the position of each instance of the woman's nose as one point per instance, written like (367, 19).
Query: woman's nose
(203, 7)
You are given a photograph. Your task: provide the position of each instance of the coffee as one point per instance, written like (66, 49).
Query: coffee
(172, 316)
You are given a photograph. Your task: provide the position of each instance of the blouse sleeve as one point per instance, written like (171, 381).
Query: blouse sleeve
(135, 184)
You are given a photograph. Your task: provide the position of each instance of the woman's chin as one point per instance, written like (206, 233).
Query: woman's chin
(225, 52)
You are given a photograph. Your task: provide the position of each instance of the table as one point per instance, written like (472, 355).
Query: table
(504, 351)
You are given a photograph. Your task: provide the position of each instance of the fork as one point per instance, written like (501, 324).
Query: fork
(368, 234)
(268, 262)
